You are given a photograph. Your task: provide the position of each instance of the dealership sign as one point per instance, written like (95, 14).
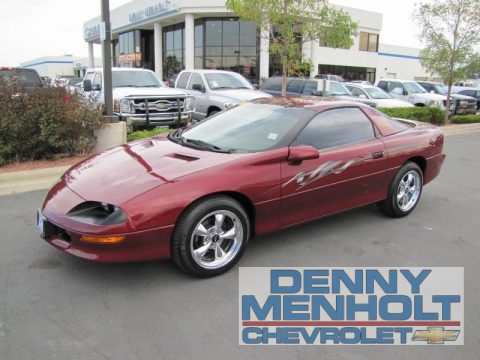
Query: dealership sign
(351, 306)
(151, 11)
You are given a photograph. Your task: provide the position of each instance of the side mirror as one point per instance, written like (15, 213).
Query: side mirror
(256, 87)
(87, 85)
(302, 152)
(397, 91)
(197, 87)
(362, 96)
(317, 93)
(432, 91)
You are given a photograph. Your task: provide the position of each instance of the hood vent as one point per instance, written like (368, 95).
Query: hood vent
(183, 157)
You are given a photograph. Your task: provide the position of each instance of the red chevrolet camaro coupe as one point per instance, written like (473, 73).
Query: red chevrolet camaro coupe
(198, 195)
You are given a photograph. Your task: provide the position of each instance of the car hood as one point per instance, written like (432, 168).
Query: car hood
(461, 97)
(391, 103)
(241, 94)
(129, 170)
(354, 98)
(120, 92)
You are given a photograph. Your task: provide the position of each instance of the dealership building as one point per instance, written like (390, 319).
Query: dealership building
(168, 36)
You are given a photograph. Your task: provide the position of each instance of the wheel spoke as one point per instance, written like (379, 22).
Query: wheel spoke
(200, 230)
(202, 250)
(219, 253)
(219, 219)
(230, 234)
(410, 180)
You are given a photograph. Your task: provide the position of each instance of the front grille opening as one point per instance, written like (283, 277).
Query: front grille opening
(62, 234)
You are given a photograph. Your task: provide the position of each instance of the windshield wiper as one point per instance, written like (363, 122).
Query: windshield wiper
(242, 87)
(222, 87)
(205, 145)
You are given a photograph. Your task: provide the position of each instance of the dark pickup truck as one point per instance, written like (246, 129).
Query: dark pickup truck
(26, 78)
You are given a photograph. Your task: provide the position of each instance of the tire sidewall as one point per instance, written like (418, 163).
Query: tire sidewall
(188, 227)
(396, 182)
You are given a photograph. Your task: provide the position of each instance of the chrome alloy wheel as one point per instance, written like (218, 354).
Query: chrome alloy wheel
(408, 190)
(217, 239)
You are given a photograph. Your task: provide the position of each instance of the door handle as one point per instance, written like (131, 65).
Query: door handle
(377, 155)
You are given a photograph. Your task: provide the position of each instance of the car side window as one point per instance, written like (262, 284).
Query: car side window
(89, 76)
(196, 79)
(295, 86)
(183, 80)
(337, 127)
(383, 85)
(97, 81)
(356, 91)
(310, 87)
(274, 84)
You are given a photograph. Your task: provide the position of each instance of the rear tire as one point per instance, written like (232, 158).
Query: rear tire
(404, 191)
(213, 112)
(210, 236)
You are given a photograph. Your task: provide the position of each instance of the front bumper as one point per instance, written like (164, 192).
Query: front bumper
(145, 245)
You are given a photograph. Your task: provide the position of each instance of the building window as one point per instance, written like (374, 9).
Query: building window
(173, 50)
(368, 42)
(133, 49)
(349, 73)
(226, 44)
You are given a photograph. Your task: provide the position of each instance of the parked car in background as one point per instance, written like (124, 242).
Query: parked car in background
(46, 80)
(311, 87)
(216, 90)
(61, 79)
(330, 77)
(363, 82)
(462, 104)
(375, 94)
(412, 92)
(198, 195)
(469, 91)
(140, 98)
(26, 78)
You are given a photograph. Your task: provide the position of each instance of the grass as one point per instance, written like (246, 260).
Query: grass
(137, 135)
(465, 119)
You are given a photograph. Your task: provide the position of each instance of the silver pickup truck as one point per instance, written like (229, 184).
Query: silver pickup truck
(140, 98)
(216, 90)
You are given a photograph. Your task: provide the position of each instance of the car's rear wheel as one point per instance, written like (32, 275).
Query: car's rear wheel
(404, 191)
(210, 236)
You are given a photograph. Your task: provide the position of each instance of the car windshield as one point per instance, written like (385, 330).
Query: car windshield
(134, 79)
(21, 77)
(414, 88)
(440, 89)
(217, 81)
(74, 81)
(376, 93)
(338, 89)
(247, 128)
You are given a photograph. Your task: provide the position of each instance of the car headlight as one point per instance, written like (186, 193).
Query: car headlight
(97, 213)
(189, 103)
(127, 106)
(229, 105)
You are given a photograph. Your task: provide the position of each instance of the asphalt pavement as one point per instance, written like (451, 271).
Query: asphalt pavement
(53, 306)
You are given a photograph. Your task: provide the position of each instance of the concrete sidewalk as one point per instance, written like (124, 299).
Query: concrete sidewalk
(22, 181)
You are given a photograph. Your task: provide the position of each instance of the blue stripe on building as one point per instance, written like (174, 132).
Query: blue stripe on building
(48, 62)
(399, 56)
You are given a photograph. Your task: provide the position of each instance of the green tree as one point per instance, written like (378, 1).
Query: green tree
(290, 23)
(450, 29)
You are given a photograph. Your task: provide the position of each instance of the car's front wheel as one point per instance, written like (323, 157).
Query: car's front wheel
(210, 236)
(404, 191)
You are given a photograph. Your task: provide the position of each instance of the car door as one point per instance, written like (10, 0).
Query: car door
(196, 87)
(349, 172)
(398, 91)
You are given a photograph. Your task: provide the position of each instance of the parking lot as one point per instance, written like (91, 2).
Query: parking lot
(53, 306)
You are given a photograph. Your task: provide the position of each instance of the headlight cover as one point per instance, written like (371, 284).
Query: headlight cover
(127, 106)
(97, 213)
(189, 103)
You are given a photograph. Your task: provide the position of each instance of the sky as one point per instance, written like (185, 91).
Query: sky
(37, 28)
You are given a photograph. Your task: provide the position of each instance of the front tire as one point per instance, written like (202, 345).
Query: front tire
(404, 191)
(210, 236)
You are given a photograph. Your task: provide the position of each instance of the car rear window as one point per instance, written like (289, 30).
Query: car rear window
(25, 78)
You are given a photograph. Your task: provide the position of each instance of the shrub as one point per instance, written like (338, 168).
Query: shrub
(424, 114)
(465, 119)
(44, 123)
(137, 135)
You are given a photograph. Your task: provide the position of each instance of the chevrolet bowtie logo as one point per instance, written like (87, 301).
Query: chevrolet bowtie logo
(435, 335)
(160, 106)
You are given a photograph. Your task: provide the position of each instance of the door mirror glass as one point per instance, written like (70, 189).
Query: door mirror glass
(397, 91)
(362, 96)
(197, 87)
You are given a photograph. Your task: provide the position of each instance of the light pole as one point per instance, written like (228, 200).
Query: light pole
(106, 40)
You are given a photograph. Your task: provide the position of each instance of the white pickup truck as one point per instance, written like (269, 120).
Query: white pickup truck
(140, 98)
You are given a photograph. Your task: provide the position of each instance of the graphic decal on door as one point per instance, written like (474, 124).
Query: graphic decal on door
(330, 167)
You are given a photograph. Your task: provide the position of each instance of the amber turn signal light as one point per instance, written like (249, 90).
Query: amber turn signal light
(102, 239)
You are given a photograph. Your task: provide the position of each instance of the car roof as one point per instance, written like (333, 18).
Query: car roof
(397, 80)
(363, 86)
(460, 88)
(99, 69)
(208, 71)
(311, 102)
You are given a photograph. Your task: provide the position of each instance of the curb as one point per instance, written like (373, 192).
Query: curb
(31, 180)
